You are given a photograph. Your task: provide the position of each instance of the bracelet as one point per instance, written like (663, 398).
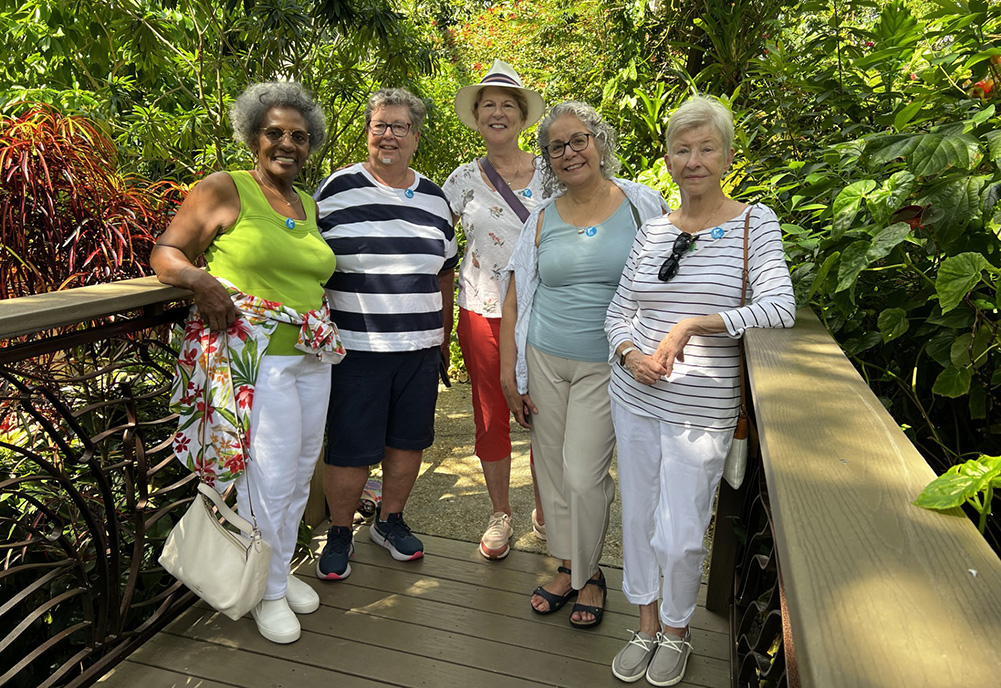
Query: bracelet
(626, 352)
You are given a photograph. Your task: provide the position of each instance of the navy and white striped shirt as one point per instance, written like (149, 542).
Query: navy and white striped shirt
(703, 391)
(390, 244)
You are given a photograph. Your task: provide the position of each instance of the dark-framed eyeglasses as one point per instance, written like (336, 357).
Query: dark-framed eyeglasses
(398, 128)
(670, 267)
(296, 136)
(577, 142)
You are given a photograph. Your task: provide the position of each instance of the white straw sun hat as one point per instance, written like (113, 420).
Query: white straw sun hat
(503, 75)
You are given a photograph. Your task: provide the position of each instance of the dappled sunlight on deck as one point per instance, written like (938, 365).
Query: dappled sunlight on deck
(450, 619)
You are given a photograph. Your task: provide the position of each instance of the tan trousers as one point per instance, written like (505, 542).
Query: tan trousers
(572, 440)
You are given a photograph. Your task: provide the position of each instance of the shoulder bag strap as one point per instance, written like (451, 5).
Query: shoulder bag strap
(743, 298)
(504, 190)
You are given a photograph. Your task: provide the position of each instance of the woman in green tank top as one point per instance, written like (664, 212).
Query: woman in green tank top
(258, 233)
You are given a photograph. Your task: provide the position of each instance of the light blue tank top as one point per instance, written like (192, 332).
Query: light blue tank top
(579, 271)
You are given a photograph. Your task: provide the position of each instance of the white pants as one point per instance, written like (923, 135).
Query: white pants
(667, 477)
(572, 441)
(286, 435)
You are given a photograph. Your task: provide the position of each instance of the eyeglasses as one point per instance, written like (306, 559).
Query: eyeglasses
(577, 143)
(670, 267)
(296, 136)
(398, 128)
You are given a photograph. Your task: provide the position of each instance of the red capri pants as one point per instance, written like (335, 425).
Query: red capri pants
(479, 339)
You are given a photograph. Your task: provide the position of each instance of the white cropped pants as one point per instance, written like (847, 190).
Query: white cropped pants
(667, 478)
(286, 435)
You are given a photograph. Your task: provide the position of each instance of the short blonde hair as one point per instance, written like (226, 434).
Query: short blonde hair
(699, 111)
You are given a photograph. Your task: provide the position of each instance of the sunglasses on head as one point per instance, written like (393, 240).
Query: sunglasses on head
(670, 267)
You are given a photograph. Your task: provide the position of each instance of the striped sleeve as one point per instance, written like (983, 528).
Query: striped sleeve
(770, 299)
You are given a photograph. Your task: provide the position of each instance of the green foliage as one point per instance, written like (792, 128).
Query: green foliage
(891, 205)
(971, 483)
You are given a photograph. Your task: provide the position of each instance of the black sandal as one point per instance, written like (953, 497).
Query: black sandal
(598, 612)
(555, 601)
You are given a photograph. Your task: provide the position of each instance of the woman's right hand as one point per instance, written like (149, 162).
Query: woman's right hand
(214, 305)
(521, 405)
(645, 369)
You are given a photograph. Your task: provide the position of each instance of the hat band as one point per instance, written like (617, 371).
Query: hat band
(500, 78)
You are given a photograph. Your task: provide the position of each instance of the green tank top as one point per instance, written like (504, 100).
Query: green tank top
(273, 257)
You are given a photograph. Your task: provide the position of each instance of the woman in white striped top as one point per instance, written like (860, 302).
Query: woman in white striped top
(673, 328)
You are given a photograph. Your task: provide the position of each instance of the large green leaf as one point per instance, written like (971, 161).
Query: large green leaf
(959, 352)
(994, 145)
(927, 154)
(952, 382)
(853, 261)
(892, 323)
(847, 204)
(890, 196)
(886, 239)
(956, 277)
(961, 483)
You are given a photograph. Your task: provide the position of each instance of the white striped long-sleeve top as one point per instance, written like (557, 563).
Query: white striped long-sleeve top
(704, 390)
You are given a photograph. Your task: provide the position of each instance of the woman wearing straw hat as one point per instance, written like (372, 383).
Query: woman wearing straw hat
(493, 196)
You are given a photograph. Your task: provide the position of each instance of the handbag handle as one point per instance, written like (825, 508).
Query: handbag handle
(227, 513)
(504, 190)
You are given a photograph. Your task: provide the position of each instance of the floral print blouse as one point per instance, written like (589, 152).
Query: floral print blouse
(491, 229)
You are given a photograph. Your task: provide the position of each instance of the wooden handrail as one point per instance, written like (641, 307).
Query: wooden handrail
(880, 592)
(41, 312)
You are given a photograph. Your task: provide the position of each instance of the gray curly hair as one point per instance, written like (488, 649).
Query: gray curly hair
(249, 110)
(387, 97)
(604, 138)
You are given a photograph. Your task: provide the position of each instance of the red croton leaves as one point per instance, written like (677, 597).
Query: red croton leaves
(67, 216)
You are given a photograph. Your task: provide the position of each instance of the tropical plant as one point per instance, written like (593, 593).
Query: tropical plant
(67, 217)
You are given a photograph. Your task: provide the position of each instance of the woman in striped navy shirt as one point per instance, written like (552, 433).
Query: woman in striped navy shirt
(673, 328)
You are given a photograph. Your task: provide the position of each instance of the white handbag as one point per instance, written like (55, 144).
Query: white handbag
(225, 568)
(736, 458)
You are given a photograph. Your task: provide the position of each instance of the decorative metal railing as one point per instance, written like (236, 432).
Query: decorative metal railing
(88, 484)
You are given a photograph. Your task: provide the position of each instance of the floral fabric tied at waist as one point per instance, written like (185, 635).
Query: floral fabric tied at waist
(213, 390)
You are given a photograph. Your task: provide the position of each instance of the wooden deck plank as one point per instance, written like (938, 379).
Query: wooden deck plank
(130, 673)
(453, 619)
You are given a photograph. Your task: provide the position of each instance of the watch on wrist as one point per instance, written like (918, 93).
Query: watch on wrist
(626, 352)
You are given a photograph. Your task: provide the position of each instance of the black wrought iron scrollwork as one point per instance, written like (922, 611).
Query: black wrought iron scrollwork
(756, 617)
(88, 491)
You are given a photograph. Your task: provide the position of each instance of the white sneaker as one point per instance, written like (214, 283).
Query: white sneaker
(276, 622)
(301, 597)
(494, 543)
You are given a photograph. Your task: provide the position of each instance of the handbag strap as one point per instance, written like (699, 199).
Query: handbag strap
(504, 190)
(227, 513)
(743, 298)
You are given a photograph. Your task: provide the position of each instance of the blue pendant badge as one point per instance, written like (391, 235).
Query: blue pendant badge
(717, 233)
(290, 223)
(527, 193)
(591, 231)
(409, 193)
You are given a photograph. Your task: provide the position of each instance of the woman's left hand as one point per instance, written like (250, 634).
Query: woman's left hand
(672, 347)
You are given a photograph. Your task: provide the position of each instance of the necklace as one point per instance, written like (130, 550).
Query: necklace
(590, 230)
(698, 227)
(517, 172)
(277, 194)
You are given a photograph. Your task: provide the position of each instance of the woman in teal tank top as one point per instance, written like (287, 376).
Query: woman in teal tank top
(554, 353)
(258, 233)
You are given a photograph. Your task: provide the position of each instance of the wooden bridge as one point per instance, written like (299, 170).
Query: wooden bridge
(824, 574)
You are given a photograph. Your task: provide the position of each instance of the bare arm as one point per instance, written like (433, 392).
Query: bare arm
(521, 405)
(213, 205)
(446, 282)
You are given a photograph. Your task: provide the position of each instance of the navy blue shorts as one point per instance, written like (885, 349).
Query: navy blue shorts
(380, 400)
